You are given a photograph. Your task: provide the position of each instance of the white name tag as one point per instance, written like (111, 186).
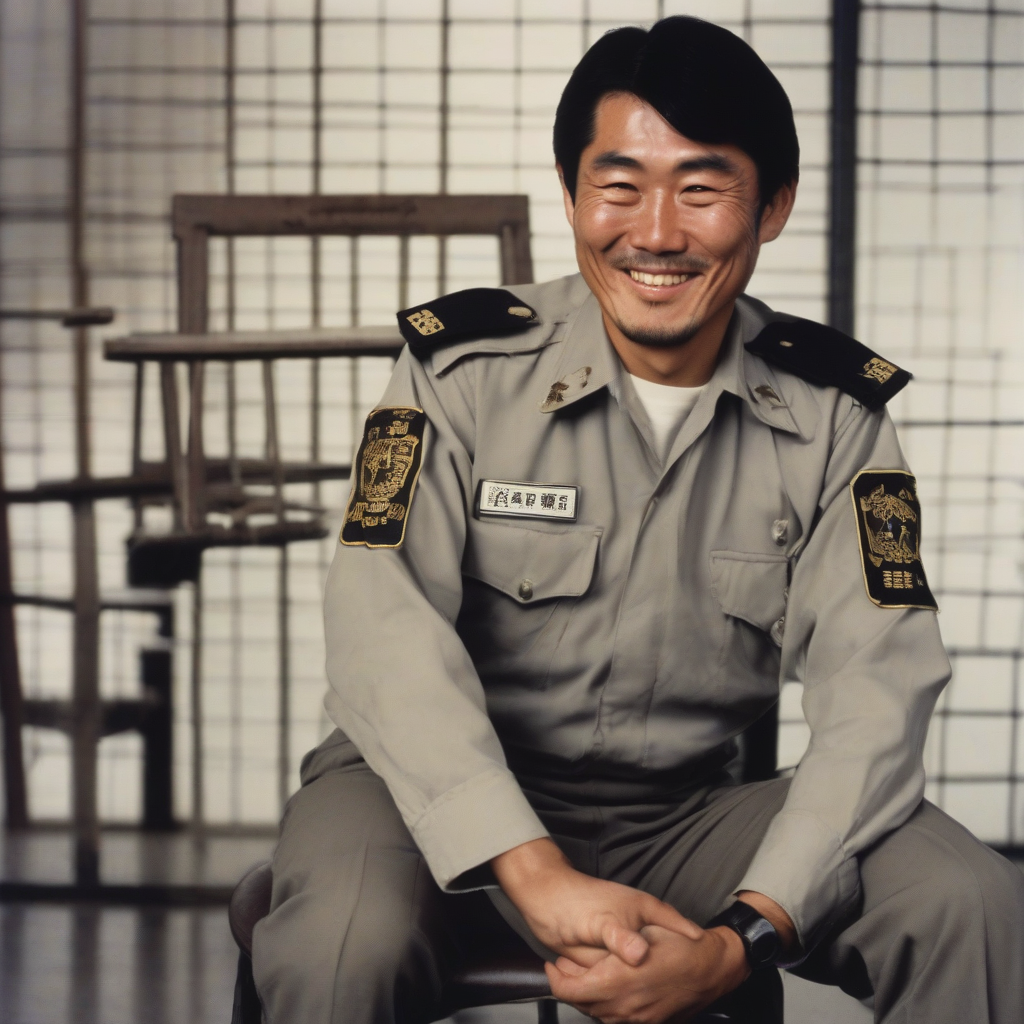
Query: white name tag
(531, 501)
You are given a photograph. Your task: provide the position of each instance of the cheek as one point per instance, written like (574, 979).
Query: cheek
(597, 224)
(724, 231)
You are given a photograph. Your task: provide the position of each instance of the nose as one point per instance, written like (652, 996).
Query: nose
(657, 227)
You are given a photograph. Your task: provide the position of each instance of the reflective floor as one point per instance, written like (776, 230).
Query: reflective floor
(91, 965)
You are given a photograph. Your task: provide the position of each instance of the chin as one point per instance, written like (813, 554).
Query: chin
(657, 334)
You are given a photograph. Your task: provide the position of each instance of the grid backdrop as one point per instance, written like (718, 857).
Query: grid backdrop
(353, 96)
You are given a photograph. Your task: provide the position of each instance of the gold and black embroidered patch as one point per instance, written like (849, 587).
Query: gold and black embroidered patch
(387, 465)
(889, 530)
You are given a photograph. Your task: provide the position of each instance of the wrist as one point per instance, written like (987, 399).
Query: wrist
(733, 961)
(775, 915)
(524, 865)
(761, 944)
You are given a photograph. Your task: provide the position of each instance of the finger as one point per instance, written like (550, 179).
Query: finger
(656, 912)
(585, 956)
(581, 991)
(629, 946)
(570, 967)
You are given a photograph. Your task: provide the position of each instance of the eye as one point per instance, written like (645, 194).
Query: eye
(621, 184)
(697, 188)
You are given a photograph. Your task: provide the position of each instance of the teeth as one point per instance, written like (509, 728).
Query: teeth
(658, 279)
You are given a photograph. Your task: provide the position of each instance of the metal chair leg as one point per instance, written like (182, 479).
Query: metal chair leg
(547, 1012)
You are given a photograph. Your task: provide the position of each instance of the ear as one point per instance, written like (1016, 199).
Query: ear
(776, 213)
(570, 206)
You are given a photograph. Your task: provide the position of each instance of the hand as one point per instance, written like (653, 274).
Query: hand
(679, 977)
(579, 916)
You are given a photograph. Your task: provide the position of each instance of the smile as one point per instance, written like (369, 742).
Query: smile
(659, 279)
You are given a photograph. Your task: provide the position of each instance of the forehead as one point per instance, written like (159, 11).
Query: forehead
(628, 126)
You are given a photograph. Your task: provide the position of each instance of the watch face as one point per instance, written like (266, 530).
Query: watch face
(763, 944)
(760, 940)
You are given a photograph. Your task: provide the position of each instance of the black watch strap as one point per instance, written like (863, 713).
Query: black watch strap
(760, 939)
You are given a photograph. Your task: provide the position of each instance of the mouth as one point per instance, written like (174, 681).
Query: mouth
(659, 280)
(659, 286)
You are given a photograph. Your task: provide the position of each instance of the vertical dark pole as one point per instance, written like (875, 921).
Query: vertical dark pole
(843, 164)
(157, 782)
(11, 708)
(85, 683)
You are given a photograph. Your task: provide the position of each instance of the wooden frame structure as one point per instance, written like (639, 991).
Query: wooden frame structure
(185, 476)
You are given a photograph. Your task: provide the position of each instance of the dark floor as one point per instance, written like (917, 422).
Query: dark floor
(86, 964)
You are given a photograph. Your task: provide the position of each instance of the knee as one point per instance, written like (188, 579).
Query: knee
(964, 886)
(321, 954)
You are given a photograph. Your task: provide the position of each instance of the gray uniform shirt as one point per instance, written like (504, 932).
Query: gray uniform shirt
(651, 630)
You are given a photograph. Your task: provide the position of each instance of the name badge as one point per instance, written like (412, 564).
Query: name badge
(528, 501)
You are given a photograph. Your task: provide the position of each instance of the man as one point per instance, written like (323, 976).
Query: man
(594, 525)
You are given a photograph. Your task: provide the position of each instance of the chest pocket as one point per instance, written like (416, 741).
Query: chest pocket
(752, 587)
(530, 565)
(518, 583)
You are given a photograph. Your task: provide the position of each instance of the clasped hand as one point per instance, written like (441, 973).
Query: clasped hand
(625, 956)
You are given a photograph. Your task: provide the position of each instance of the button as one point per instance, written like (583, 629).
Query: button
(780, 531)
(778, 630)
(786, 344)
(526, 589)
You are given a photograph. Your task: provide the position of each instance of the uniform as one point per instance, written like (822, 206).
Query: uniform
(536, 626)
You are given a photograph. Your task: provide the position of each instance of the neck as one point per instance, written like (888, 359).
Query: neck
(687, 365)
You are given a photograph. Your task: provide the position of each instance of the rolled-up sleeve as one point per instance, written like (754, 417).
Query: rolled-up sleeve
(402, 686)
(871, 676)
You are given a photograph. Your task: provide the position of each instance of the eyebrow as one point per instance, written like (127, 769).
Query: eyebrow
(711, 162)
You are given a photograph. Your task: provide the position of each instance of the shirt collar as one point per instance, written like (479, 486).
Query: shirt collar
(589, 363)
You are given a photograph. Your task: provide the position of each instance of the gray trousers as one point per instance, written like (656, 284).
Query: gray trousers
(359, 932)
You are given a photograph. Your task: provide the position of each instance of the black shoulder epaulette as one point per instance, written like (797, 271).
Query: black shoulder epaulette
(825, 356)
(473, 313)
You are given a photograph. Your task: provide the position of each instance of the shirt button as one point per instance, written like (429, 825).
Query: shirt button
(526, 589)
(780, 531)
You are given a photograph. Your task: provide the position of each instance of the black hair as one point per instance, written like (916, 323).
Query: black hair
(704, 80)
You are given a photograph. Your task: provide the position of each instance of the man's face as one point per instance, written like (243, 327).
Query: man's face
(667, 229)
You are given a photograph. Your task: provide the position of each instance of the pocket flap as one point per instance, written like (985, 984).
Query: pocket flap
(531, 564)
(750, 586)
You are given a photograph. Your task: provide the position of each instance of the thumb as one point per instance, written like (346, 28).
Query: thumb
(656, 912)
(629, 946)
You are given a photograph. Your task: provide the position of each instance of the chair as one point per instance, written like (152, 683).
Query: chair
(506, 971)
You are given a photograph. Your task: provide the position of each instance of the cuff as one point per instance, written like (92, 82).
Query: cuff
(472, 823)
(801, 865)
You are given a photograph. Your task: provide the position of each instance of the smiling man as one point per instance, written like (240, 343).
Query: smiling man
(594, 526)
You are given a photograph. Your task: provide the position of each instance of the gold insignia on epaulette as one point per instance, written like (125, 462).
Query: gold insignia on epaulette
(889, 531)
(386, 469)
(878, 369)
(523, 311)
(425, 322)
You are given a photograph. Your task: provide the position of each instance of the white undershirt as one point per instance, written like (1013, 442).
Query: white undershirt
(667, 406)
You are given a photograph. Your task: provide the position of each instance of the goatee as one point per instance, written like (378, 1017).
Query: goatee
(653, 338)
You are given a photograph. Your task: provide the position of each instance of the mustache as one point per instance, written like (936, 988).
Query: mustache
(669, 263)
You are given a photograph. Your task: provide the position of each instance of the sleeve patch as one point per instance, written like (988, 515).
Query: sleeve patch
(888, 517)
(386, 468)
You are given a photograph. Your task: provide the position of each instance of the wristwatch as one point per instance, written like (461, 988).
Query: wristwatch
(760, 939)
